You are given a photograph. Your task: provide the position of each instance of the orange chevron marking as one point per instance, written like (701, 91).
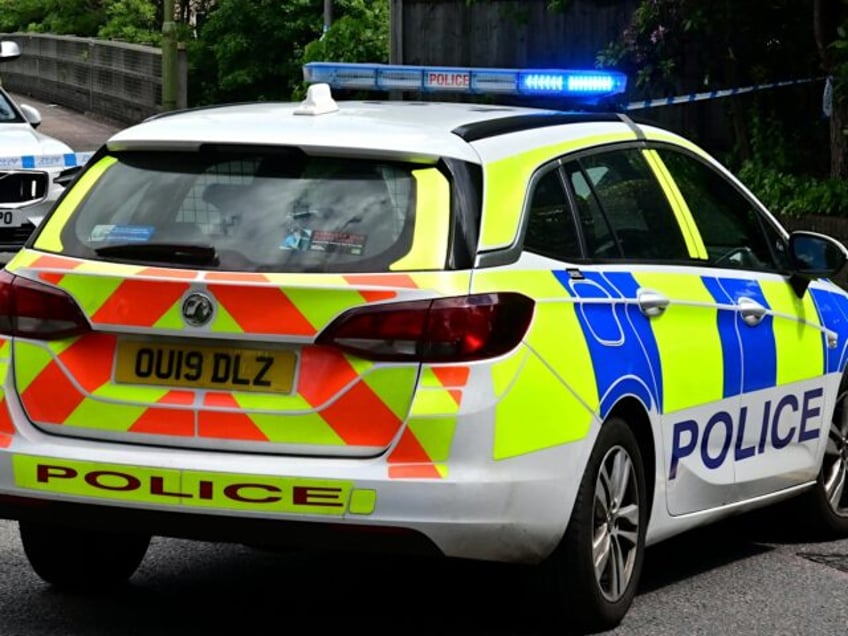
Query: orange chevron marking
(139, 303)
(237, 277)
(456, 395)
(375, 296)
(452, 376)
(161, 272)
(220, 399)
(165, 422)
(408, 450)
(53, 278)
(89, 360)
(6, 425)
(323, 373)
(262, 310)
(51, 397)
(382, 280)
(229, 426)
(177, 397)
(416, 471)
(56, 262)
(361, 418)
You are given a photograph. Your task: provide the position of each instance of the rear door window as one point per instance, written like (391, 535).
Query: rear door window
(279, 211)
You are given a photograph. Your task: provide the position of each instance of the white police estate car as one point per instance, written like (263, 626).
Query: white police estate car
(481, 331)
(27, 190)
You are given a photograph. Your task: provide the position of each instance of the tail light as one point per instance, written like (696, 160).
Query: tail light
(33, 310)
(441, 330)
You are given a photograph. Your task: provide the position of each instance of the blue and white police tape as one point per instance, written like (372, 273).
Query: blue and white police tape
(698, 97)
(32, 162)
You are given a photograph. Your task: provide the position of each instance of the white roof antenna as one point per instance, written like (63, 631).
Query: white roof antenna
(318, 101)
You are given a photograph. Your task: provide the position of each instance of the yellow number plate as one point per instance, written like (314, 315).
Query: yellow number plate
(203, 367)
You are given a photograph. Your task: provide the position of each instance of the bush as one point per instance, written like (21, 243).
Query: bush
(789, 194)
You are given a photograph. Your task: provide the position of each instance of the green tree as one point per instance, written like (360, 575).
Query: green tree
(131, 21)
(686, 46)
(254, 49)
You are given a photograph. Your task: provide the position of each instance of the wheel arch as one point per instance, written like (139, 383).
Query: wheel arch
(631, 410)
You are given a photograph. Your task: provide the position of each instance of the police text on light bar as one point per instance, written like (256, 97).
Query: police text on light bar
(590, 84)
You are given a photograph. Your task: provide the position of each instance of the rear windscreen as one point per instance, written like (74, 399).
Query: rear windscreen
(280, 211)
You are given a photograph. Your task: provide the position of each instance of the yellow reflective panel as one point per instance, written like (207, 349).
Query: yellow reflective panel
(49, 239)
(432, 223)
(505, 186)
(694, 243)
(800, 353)
(688, 340)
(538, 412)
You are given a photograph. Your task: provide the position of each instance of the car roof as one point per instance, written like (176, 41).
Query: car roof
(409, 130)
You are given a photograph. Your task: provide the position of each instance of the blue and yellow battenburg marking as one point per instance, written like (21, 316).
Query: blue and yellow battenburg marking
(633, 355)
(32, 162)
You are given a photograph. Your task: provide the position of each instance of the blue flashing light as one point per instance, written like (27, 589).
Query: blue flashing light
(587, 86)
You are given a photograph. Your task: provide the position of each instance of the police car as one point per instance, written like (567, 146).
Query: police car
(26, 190)
(482, 331)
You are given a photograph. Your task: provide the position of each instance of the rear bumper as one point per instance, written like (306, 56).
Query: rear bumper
(203, 527)
(513, 510)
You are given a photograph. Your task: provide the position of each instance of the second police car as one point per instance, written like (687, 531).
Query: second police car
(33, 167)
(488, 332)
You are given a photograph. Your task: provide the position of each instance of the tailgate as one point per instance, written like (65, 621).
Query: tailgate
(216, 360)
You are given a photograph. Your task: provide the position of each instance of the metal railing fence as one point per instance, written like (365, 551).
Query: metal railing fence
(113, 79)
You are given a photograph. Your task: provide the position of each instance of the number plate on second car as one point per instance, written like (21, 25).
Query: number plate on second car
(9, 218)
(204, 367)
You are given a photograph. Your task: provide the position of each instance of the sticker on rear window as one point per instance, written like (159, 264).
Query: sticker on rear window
(338, 242)
(127, 233)
(303, 239)
(298, 239)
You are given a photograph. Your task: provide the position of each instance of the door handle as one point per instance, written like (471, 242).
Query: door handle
(651, 303)
(752, 311)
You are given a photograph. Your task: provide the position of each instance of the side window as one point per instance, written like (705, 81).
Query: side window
(623, 209)
(731, 227)
(550, 227)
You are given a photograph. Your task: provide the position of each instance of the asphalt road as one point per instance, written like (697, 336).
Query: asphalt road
(745, 577)
(81, 133)
(755, 575)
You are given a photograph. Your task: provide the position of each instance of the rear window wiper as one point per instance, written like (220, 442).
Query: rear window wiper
(184, 253)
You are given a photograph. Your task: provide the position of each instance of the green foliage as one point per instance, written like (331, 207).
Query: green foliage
(697, 44)
(790, 194)
(361, 35)
(653, 45)
(131, 21)
(254, 49)
(128, 20)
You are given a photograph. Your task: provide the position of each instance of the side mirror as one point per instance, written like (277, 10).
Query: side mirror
(815, 255)
(9, 50)
(31, 115)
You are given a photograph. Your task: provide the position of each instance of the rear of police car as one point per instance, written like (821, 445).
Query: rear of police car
(262, 313)
(256, 323)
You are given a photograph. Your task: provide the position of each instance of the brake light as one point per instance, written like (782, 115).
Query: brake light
(33, 310)
(441, 330)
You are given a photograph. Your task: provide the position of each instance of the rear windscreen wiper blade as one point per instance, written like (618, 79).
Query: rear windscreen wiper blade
(188, 253)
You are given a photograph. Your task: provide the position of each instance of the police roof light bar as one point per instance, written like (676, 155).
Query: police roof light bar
(587, 85)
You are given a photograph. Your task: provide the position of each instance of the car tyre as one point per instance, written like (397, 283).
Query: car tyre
(77, 559)
(827, 501)
(595, 570)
